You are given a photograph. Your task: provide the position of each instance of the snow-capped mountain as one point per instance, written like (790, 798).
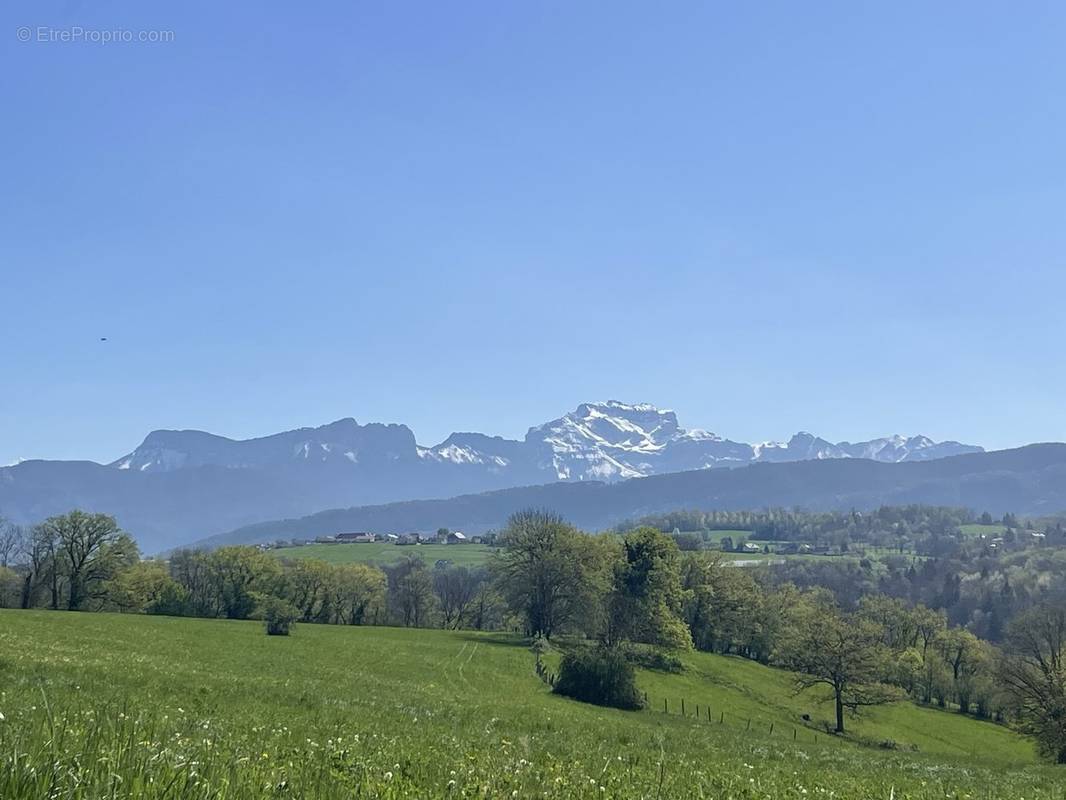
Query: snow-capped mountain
(605, 441)
(181, 485)
(612, 441)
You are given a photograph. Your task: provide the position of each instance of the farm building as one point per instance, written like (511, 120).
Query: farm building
(359, 537)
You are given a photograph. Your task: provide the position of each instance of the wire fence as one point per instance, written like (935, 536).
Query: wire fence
(704, 712)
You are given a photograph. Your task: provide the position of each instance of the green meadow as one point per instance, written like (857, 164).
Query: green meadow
(990, 531)
(132, 706)
(466, 555)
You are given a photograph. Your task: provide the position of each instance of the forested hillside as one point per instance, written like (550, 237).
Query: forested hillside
(1030, 480)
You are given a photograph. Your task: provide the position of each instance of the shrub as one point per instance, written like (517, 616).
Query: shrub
(601, 676)
(653, 658)
(278, 616)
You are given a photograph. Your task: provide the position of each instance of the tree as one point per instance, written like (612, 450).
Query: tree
(456, 588)
(411, 591)
(10, 542)
(545, 573)
(87, 549)
(193, 570)
(1034, 671)
(843, 652)
(141, 586)
(599, 675)
(10, 588)
(240, 575)
(277, 615)
(965, 655)
(39, 551)
(721, 605)
(308, 588)
(358, 594)
(646, 596)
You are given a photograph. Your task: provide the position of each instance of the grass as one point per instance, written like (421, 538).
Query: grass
(991, 531)
(717, 536)
(469, 555)
(117, 706)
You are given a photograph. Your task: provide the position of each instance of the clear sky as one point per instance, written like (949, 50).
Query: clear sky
(840, 217)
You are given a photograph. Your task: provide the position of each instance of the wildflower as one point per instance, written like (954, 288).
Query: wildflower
(388, 776)
(2, 717)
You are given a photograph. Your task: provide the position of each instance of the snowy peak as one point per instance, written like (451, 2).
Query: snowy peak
(804, 446)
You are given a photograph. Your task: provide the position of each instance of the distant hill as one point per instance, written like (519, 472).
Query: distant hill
(182, 485)
(1025, 480)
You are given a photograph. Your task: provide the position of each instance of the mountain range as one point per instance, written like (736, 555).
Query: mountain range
(177, 486)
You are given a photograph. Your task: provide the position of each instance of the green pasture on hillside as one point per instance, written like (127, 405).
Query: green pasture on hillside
(130, 706)
(468, 555)
(989, 531)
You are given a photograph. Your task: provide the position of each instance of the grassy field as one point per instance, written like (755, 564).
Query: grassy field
(114, 706)
(991, 531)
(469, 555)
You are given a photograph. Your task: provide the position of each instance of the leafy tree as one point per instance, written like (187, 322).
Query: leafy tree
(545, 572)
(721, 605)
(278, 615)
(239, 574)
(309, 585)
(86, 550)
(141, 586)
(843, 652)
(600, 675)
(964, 656)
(358, 594)
(201, 583)
(645, 603)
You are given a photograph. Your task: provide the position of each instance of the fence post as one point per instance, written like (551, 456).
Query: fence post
(721, 719)
(793, 734)
(666, 706)
(708, 713)
(749, 724)
(771, 729)
(697, 710)
(682, 706)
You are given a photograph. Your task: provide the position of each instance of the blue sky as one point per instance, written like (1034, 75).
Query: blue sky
(474, 215)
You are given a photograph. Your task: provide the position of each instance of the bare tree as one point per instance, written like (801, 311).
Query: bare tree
(39, 552)
(456, 588)
(1034, 670)
(10, 542)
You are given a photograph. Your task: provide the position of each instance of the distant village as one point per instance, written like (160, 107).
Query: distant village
(442, 536)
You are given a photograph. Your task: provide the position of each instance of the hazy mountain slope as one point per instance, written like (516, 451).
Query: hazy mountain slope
(1026, 480)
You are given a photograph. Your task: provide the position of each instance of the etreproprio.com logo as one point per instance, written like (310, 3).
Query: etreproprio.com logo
(76, 34)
